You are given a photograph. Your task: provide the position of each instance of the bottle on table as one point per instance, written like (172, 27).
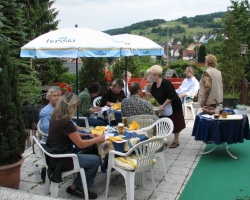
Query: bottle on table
(217, 112)
(38, 174)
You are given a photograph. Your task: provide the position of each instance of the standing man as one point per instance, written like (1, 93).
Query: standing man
(189, 87)
(135, 104)
(126, 81)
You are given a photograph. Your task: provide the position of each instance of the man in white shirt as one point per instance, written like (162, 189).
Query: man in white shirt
(125, 89)
(189, 87)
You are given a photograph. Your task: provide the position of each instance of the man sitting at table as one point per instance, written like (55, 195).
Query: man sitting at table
(189, 87)
(135, 105)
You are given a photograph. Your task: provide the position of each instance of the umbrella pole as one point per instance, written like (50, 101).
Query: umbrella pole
(77, 113)
(126, 69)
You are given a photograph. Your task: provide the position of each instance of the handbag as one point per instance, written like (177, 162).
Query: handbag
(210, 110)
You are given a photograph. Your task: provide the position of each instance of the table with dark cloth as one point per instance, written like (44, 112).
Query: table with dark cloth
(221, 131)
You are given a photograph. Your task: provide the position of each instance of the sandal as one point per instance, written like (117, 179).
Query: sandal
(174, 145)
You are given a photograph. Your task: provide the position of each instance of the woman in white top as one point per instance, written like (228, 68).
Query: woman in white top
(126, 81)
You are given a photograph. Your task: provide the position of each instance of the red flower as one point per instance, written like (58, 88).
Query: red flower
(64, 87)
(109, 75)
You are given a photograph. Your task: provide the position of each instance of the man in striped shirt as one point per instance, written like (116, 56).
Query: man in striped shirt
(135, 104)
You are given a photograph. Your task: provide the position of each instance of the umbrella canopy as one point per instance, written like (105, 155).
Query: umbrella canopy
(72, 43)
(139, 45)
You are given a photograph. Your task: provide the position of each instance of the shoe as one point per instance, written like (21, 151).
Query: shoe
(174, 145)
(77, 192)
(80, 193)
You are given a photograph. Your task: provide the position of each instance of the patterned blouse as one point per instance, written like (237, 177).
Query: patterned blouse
(207, 81)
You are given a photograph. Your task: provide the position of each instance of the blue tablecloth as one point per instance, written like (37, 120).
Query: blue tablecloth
(220, 131)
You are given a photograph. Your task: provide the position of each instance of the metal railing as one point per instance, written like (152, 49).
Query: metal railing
(245, 92)
(30, 113)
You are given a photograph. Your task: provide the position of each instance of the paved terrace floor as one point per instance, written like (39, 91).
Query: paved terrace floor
(180, 164)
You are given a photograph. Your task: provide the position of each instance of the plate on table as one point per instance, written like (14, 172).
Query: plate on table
(230, 117)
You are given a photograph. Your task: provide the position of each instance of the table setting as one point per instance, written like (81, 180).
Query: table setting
(118, 140)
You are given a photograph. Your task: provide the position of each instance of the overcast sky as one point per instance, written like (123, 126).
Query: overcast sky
(109, 14)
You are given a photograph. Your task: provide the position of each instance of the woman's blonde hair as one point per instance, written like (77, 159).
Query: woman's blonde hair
(211, 60)
(51, 90)
(155, 69)
(128, 74)
(65, 106)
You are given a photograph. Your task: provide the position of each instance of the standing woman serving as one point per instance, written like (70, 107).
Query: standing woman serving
(170, 104)
(62, 136)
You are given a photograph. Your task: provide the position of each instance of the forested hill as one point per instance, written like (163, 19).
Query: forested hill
(205, 21)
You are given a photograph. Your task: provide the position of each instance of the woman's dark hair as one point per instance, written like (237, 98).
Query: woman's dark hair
(94, 88)
(118, 83)
(134, 88)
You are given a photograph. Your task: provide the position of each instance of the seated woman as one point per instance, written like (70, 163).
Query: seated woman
(113, 95)
(52, 95)
(86, 108)
(62, 136)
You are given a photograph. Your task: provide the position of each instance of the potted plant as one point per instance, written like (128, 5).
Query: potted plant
(232, 63)
(12, 130)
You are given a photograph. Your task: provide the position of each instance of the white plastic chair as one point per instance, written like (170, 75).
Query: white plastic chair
(54, 186)
(86, 128)
(186, 105)
(97, 101)
(145, 152)
(40, 131)
(144, 121)
(164, 127)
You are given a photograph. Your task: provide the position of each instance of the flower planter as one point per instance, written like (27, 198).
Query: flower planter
(230, 102)
(10, 175)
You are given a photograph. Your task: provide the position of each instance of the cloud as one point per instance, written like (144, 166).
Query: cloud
(109, 14)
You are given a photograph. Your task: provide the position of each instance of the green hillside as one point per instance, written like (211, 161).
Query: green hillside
(186, 26)
(189, 31)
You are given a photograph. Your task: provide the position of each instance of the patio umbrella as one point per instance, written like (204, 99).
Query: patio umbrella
(137, 45)
(72, 43)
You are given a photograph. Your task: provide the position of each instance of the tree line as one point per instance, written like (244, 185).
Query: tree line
(205, 21)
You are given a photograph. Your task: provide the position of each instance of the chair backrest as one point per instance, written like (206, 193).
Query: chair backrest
(144, 121)
(43, 152)
(145, 153)
(97, 101)
(87, 128)
(164, 127)
(40, 131)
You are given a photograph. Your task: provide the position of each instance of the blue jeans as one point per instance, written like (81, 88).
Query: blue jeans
(188, 99)
(92, 122)
(90, 163)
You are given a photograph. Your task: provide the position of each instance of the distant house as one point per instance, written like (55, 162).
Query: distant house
(71, 64)
(188, 54)
(175, 50)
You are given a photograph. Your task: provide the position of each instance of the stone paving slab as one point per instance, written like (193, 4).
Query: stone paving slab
(180, 163)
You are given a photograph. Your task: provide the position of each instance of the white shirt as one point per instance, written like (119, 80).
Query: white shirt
(189, 86)
(127, 93)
